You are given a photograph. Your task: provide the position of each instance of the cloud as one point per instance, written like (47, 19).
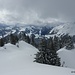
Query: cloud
(13, 17)
(26, 11)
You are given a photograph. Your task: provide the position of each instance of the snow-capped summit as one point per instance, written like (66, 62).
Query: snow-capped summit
(67, 28)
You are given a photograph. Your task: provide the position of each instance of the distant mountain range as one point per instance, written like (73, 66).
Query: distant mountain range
(46, 29)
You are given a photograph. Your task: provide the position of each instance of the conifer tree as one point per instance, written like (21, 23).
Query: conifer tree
(1, 42)
(27, 39)
(56, 43)
(50, 44)
(32, 41)
(13, 39)
(47, 55)
(43, 44)
(69, 44)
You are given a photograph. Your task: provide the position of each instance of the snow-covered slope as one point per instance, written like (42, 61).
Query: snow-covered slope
(67, 56)
(67, 28)
(19, 61)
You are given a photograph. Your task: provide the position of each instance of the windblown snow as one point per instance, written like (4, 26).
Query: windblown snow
(19, 61)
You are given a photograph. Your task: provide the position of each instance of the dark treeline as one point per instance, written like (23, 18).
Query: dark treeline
(14, 38)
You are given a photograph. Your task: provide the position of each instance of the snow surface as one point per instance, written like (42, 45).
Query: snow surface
(67, 28)
(19, 61)
(67, 56)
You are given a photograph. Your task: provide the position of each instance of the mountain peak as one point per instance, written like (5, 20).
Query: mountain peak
(67, 28)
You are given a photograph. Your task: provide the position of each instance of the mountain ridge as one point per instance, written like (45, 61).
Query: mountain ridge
(67, 28)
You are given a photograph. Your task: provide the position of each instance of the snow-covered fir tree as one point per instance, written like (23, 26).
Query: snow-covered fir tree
(46, 55)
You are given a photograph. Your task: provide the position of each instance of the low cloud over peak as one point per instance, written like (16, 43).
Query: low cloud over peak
(28, 11)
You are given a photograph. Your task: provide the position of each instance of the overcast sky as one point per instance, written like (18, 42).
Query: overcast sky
(30, 10)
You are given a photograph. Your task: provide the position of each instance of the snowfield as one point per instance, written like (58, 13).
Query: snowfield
(19, 61)
(67, 56)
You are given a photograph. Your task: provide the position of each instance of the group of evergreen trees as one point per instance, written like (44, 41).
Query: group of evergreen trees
(66, 41)
(15, 38)
(48, 49)
(47, 53)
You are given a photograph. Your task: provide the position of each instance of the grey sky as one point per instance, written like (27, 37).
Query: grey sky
(60, 9)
